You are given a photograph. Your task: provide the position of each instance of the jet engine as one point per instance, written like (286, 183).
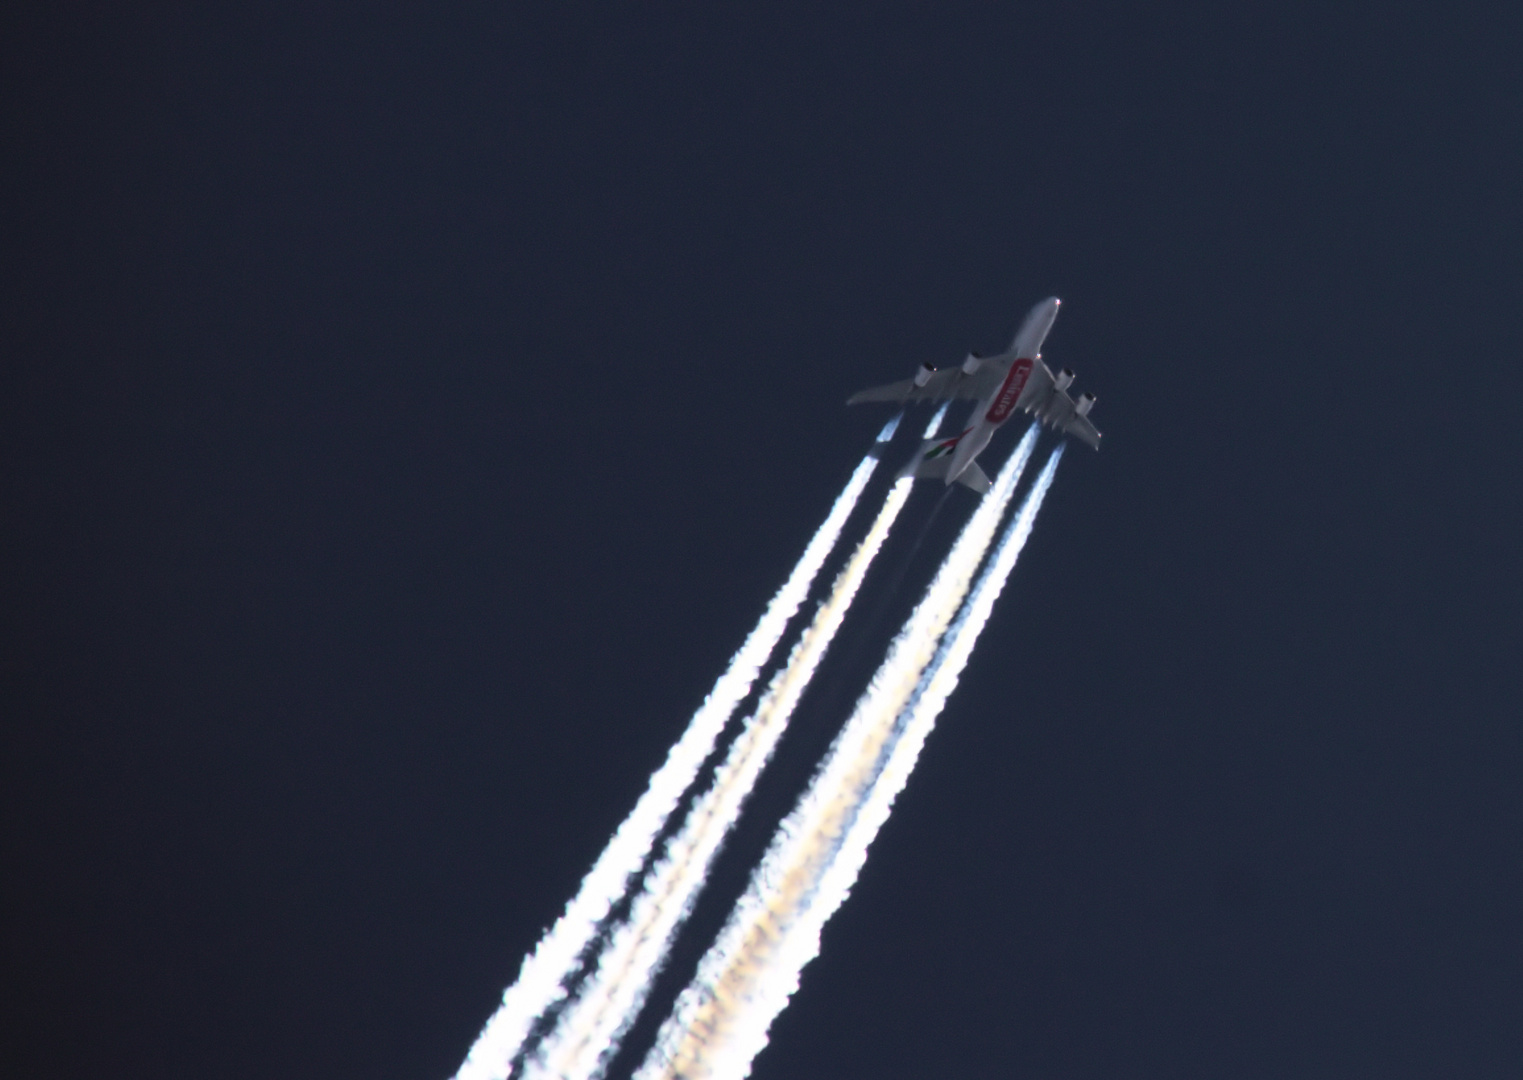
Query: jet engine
(1085, 403)
(923, 376)
(972, 363)
(1064, 380)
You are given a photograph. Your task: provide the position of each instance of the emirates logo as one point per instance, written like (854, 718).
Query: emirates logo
(1009, 393)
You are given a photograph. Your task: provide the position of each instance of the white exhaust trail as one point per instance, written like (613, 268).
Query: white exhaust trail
(721, 1019)
(802, 943)
(540, 980)
(935, 425)
(590, 1030)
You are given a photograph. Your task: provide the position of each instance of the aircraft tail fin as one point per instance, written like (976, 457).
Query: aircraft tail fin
(933, 459)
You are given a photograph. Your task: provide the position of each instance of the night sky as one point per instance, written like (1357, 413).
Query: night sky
(407, 414)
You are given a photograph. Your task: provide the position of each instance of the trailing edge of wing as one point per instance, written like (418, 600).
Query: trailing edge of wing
(1056, 409)
(948, 384)
(894, 392)
(1058, 412)
(1080, 428)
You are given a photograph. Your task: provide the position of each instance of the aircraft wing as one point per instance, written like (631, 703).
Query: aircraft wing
(1058, 411)
(1078, 426)
(946, 384)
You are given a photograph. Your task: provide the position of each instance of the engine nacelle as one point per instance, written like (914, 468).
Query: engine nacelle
(1085, 403)
(972, 363)
(1064, 380)
(923, 376)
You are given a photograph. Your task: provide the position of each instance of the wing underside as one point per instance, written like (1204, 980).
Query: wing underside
(1040, 398)
(947, 384)
(1060, 415)
(1055, 409)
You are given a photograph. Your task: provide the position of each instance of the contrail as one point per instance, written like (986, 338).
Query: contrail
(802, 943)
(540, 983)
(588, 1033)
(957, 646)
(935, 425)
(721, 1019)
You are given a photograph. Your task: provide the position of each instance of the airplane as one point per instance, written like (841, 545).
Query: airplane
(1014, 381)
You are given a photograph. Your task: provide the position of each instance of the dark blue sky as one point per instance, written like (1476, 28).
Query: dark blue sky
(406, 415)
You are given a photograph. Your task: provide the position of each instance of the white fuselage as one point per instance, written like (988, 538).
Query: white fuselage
(1005, 399)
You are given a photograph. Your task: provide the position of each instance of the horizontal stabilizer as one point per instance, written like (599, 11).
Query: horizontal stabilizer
(933, 460)
(975, 478)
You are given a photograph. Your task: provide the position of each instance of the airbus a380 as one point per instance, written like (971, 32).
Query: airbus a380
(1014, 381)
